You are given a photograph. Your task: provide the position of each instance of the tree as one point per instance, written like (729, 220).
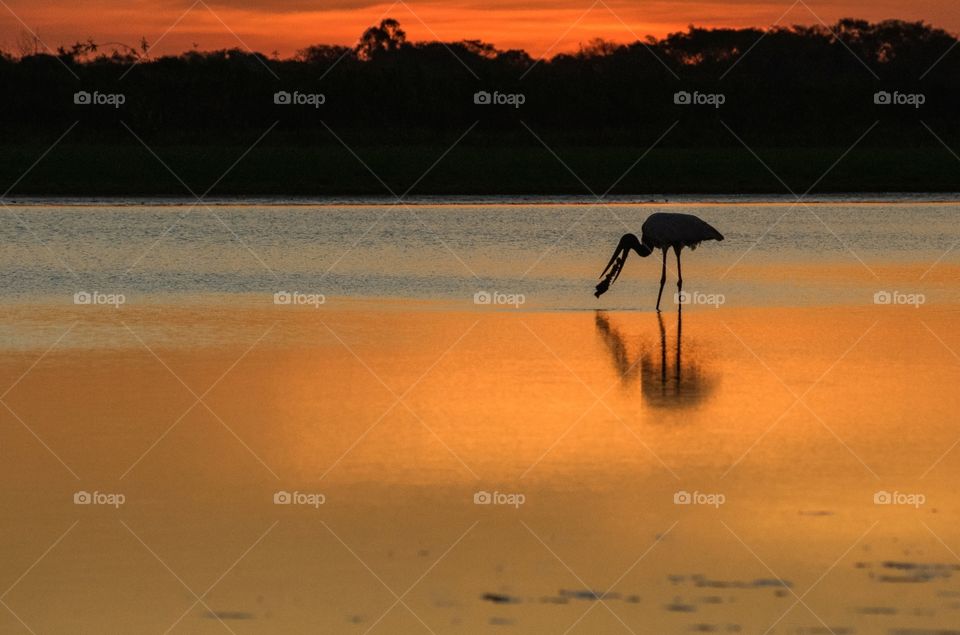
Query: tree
(323, 53)
(598, 47)
(387, 37)
(28, 43)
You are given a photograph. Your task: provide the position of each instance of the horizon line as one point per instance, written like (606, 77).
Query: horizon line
(118, 47)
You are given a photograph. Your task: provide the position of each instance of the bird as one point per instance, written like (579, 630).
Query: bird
(660, 231)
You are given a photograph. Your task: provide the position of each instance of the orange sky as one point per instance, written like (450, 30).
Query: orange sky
(538, 26)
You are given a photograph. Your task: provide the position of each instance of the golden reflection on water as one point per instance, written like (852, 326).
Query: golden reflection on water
(598, 419)
(668, 376)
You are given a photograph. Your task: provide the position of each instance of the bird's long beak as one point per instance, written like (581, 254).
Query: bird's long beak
(612, 271)
(613, 259)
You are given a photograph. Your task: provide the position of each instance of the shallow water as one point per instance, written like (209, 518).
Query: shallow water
(783, 415)
(775, 253)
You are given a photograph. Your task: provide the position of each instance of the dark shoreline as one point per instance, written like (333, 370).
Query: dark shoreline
(494, 200)
(82, 170)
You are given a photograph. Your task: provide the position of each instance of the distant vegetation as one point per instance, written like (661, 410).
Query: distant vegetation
(800, 96)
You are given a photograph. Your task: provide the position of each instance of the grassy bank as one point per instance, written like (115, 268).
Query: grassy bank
(121, 170)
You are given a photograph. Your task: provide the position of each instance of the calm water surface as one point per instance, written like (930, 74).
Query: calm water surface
(782, 462)
(550, 253)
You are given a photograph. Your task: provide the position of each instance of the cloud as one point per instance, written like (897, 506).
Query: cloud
(279, 7)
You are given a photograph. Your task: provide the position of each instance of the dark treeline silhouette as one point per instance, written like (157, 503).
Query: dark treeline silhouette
(789, 86)
(798, 89)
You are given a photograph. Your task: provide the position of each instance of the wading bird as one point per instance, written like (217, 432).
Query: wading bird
(660, 231)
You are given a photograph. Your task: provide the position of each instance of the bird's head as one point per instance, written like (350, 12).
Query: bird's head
(630, 241)
(612, 271)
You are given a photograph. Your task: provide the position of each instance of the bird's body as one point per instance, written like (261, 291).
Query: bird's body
(661, 231)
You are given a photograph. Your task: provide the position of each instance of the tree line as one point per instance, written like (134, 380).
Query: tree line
(785, 86)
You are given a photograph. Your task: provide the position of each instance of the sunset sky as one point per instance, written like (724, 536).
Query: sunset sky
(540, 27)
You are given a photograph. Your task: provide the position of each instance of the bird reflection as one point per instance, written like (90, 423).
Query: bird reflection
(667, 379)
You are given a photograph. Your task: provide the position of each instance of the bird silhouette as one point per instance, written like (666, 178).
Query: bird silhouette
(660, 231)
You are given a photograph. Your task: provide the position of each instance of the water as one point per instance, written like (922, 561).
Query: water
(550, 253)
(798, 399)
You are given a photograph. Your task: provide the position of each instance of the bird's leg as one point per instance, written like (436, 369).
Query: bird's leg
(663, 353)
(663, 279)
(679, 275)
